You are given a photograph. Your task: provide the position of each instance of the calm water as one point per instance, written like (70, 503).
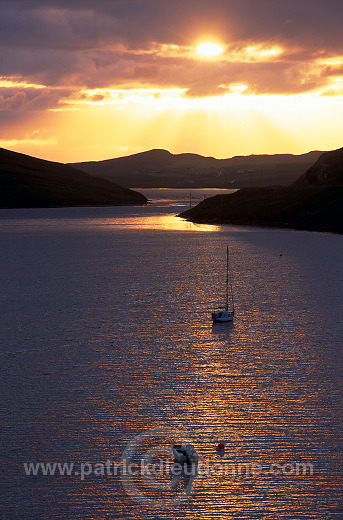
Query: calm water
(107, 349)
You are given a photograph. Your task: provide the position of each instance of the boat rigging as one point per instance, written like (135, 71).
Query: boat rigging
(227, 311)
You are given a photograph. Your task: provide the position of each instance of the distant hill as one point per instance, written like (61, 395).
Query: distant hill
(313, 202)
(30, 182)
(162, 169)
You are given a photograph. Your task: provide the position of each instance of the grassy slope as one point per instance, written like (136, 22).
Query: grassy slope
(30, 182)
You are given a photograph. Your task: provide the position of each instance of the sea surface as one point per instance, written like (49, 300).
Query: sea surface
(108, 357)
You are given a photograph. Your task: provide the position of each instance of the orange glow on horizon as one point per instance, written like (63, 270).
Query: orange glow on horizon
(77, 123)
(222, 126)
(206, 79)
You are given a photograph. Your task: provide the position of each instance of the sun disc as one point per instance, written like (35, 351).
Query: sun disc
(209, 49)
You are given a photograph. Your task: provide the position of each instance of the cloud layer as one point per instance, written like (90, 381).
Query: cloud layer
(130, 69)
(151, 43)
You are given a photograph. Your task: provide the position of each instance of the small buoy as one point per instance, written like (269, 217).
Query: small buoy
(220, 446)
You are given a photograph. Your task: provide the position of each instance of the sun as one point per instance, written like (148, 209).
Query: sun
(209, 49)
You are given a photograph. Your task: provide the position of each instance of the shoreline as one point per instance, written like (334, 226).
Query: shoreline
(258, 224)
(317, 209)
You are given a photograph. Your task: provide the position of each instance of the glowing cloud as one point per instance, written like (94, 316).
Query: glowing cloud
(255, 53)
(219, 78)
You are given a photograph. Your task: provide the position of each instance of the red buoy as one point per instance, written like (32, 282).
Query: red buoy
(220, 446)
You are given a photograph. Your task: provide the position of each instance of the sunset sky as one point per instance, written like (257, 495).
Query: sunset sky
(89, 80)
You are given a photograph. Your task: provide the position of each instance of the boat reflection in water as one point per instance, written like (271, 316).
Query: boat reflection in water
(185, 467)
(183, 477)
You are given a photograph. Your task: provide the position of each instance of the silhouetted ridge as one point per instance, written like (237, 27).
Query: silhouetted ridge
(31, 182)
(161, 169)
(314, 202)
(327, 171)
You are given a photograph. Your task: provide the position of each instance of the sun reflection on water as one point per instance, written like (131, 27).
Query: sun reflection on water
(114, 336)
(160, 222)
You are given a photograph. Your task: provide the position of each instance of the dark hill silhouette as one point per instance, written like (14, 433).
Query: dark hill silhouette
(327, 171)
(160, 168)
(31, 182)
(314, 202)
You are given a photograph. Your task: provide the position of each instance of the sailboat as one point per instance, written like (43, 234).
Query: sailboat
(186, 453)
(227, 311)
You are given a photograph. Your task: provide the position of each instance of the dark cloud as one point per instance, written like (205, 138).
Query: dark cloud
(12, 101)
(94, 44)
(83, 24)
(332, 71)
(19, 99)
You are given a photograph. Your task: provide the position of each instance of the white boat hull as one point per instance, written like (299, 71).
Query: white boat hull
(222, 316)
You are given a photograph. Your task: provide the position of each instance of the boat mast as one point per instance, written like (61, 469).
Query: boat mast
(228, 280)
